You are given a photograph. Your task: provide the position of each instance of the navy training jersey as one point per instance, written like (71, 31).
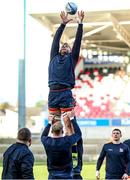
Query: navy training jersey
(117, 159)
(61, 68)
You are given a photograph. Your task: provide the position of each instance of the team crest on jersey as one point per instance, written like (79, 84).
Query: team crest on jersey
(120, 150)
(110, 149)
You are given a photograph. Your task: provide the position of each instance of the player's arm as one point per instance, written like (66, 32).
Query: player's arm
(27, 166)
(128, 163)
(80, 152)
(77, 132)
(58, 34)
(100, 161)
(47, 128)
(78, 38)
(67, 122)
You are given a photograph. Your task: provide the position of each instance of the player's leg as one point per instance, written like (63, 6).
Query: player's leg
(53, 107)
(56, 113)
(67, 104)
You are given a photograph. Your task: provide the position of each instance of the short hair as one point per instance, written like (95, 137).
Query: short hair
(24, 134)
(116, 129)
(65, 43)
(57, 127)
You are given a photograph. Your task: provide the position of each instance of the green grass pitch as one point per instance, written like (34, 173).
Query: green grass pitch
(88, 172)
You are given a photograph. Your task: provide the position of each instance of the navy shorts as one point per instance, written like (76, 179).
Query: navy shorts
(61, 99)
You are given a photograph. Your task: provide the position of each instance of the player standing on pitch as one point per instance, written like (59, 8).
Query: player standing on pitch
(117, 158)
(58, 147)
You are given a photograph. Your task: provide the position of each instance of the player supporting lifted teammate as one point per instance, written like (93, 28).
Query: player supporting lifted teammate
(58, 147)
(77, 149)
(61, 74)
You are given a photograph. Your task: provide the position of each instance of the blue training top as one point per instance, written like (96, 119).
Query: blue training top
(61, 67)
(117, 160)
(59, 150)
(18, 162)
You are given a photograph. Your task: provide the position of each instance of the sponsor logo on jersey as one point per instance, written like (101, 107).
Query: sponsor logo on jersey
(121, 150)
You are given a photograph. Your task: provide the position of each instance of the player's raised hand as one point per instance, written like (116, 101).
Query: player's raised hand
(65, 117)
(64, 17)
(71, 114)
(125, 177)
(67, 122)
(80, 16)
(50, 118)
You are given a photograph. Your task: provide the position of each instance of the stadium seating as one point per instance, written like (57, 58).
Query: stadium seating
(102, 94)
